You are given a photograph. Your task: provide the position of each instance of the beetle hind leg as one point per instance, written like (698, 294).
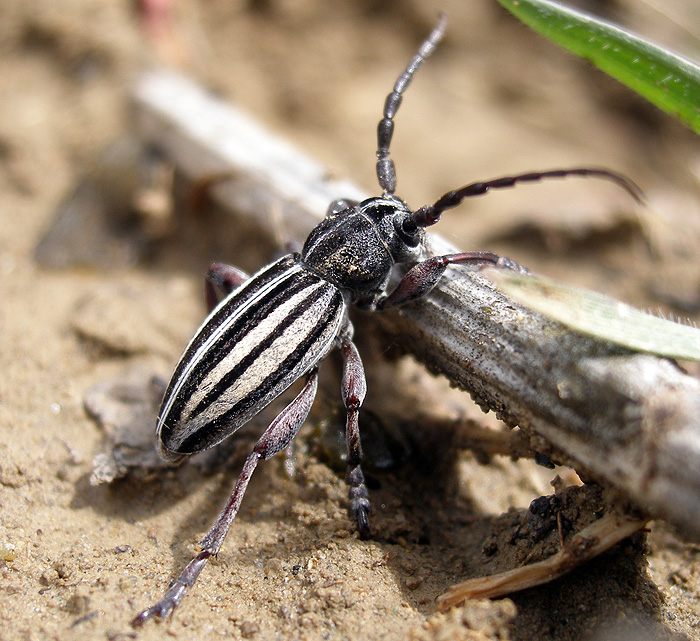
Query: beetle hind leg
(276, 437)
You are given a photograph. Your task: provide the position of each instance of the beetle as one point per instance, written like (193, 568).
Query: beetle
(274, 328)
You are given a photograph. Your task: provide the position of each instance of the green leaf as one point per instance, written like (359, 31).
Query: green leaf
(599, 316)
(668, 81)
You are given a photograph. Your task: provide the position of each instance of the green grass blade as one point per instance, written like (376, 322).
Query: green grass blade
(665, 79)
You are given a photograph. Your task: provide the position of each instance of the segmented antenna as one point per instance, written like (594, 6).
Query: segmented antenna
(386, 172)
(430, 214)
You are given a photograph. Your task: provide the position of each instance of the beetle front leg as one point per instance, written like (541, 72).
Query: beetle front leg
(354, 388)
(275, 438)
(421, 278)
(223, 277)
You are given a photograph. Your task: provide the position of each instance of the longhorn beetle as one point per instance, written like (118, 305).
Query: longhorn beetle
(275, 327)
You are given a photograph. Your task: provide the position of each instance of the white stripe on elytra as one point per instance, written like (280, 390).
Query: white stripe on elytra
(266, 362)
(247, 344)
(215, 335)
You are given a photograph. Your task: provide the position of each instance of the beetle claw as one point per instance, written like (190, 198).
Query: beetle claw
(363, 528)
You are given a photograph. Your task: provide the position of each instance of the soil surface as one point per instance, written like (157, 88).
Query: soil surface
(78, 560)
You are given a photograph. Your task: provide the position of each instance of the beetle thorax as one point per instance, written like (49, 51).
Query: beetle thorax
(357, 248)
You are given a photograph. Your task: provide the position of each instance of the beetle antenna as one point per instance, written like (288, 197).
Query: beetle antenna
(430, 214)
(386, 172)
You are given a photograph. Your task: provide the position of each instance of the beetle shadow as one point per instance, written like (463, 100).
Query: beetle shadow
(142, 489)
(444, 514)
(441, 535)
(145, 491)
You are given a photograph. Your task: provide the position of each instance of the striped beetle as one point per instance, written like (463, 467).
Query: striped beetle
(275, 327)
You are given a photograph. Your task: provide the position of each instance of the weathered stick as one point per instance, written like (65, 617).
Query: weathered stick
(629, 420)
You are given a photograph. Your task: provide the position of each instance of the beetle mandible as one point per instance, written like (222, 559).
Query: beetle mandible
(275, 327)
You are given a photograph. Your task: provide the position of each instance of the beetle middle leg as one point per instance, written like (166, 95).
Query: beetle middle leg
(354, 388)
(275, 438)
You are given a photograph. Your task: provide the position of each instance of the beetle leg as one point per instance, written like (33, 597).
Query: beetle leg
(290, 465)
(275, 438)
(341, 205)
(223, 277)
(354, 388)
(421, 278)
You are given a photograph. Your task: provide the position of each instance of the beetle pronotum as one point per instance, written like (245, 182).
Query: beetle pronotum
(275, 327)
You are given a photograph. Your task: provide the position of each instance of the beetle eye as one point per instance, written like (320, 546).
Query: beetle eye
(407, 230)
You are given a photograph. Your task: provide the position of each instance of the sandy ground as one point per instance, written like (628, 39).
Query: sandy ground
(79, 561)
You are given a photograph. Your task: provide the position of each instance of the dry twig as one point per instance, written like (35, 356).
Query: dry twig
(583, 546)
(626, 419)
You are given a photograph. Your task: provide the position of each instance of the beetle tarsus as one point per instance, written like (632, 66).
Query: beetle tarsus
(509, 263)
(362, 516)
(360, 507)
(163, 608)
